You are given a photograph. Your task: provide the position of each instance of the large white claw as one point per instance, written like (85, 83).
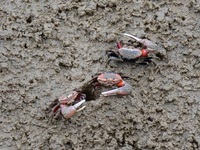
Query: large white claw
(111, 92)
(134, 37)
(151, 46)
(124, 90)
(77, 105)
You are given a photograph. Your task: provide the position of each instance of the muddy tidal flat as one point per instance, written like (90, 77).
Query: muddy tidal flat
(50, 47)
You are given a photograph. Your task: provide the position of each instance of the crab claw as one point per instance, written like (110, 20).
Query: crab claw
(123, 90)
(68, 99)
(151, 46)
(69, 111)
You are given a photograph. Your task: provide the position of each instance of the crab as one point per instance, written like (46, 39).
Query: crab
(110, 79)
(68, 104)
(122, 53)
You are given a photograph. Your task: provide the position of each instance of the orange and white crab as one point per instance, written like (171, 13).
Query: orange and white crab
(68, 104)
(133, 54)
(111, 79)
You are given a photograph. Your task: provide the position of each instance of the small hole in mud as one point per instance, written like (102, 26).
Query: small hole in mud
(147, 29)
(68, 145)
(43, 36)
(159, 55)
(91, 91)
(31, 81)
(183, 18)
(142, 111)
(62, 65)
(59, 11)
(158, 27)
(150, 119)
(146, 23)
(170, 26)
(25, 45)
(155, 17)
(29, 20)
(127, 25)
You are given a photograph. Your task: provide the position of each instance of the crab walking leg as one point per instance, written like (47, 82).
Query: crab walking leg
(115, 59)
(69, 111)
(124, 90)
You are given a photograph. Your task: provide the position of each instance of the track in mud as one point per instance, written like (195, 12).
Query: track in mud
(50, 47)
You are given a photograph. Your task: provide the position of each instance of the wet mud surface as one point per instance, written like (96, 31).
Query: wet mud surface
(50, 47)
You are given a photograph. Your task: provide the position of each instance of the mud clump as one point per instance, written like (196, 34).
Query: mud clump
(49, 47)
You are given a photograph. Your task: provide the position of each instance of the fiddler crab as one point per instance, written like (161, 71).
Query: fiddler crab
(68, 104)
(111, 79)
(123, 53)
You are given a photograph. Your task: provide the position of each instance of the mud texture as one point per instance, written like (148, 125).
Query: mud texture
(49, 47)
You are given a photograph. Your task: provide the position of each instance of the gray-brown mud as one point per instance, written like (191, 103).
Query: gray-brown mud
(52, 46)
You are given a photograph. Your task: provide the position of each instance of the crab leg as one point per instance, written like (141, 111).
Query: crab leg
(114, 56)
(124, 90)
